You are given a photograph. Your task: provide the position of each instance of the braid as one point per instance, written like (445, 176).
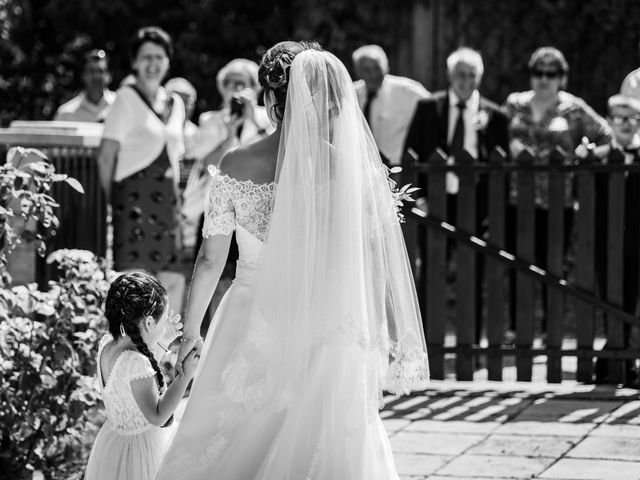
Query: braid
(131, 297)
(134, 333)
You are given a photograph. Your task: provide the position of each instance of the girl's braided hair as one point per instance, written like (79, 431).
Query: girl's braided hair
(273, 73)
(133, 296)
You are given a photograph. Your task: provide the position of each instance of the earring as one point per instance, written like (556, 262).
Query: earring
(122, 332)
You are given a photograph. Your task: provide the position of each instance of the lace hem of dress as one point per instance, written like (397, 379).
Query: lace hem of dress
(409, 368)
(223, 224)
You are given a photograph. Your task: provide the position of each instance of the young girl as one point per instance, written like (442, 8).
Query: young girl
(131, 443)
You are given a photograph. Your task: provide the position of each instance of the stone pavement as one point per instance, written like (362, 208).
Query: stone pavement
(500, 430)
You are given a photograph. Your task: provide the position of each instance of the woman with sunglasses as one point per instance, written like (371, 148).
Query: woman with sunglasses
(542, 119)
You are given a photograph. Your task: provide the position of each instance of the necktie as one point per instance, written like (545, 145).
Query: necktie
(371, 94)
(457, 141)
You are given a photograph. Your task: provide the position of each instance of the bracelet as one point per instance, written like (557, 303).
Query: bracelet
(190, 339)
(166, 349)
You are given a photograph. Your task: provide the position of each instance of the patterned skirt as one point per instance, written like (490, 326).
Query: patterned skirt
(146, 225)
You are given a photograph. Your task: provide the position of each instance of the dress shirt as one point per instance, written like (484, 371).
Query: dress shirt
(80, 109)
(213, 131)
(470, 113)
(391, 111)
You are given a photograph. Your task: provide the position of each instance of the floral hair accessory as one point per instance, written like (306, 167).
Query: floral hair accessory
(278, 69)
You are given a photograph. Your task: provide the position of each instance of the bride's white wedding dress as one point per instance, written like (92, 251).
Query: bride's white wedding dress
(225, 433)
(322, 314)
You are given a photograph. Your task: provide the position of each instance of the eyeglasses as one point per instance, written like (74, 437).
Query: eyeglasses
(235, 84)
(550, 74)
(621, 119)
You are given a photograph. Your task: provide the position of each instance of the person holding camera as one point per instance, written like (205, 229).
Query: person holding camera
(239, 121)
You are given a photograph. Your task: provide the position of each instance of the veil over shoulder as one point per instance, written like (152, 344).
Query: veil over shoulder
(308, 336)
(335, 269)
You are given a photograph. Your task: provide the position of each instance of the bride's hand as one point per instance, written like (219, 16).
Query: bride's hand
(187, 345)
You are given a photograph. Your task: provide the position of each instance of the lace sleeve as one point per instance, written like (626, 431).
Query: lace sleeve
(219, 216)
(138, 366)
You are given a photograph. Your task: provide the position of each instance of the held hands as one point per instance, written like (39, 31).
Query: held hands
(190, 364)
(188, 346)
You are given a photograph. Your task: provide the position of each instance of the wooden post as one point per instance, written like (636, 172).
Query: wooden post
(555, 262)
(584, 267)
(525, 250)
(496, 297)
(615, 259)
(435, 269)
(410, 228)
(466, 271)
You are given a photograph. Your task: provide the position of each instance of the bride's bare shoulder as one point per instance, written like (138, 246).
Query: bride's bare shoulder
(249, 162)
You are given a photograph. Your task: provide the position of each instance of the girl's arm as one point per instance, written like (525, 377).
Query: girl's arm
(157, 408)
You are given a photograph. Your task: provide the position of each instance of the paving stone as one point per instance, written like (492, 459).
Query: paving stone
(608, 430)
(433, 443)
(439, 477)
(568, 411)
(608, 448)
(628, 412)
(583, 469)
(526, 446)
(546, 428)
(452, 426)
(494, 467)
(394, 425)
(415, 464)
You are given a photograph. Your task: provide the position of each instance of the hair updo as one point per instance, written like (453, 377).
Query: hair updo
(131, 297)
(273, 73)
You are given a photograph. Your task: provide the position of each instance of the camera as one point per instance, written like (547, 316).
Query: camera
(236, 106)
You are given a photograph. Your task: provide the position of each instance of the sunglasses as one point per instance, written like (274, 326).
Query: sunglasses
(551, 74)
(621, 119)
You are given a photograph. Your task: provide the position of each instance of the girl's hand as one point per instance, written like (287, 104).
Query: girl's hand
(173, 328)
(190, 364)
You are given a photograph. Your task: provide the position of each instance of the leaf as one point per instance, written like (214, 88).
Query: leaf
(4, 211)
(75, 184)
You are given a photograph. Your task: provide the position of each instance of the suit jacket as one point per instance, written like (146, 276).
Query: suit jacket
(428, 129)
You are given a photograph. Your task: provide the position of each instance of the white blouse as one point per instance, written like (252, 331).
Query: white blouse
(141, 134)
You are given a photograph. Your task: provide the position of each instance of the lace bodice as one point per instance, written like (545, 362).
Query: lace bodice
(122, 410)
(240, 205)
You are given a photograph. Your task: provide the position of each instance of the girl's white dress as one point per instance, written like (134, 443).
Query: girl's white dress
(127, 447)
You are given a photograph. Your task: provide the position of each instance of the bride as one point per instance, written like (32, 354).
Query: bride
(322, 315)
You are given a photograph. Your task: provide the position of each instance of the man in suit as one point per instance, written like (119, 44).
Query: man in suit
(455, 120)
(624, 120)
(387, 101)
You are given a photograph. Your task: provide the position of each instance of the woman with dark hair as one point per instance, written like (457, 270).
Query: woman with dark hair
(542, 119)
(322, 314)
(138, 160)
(138, 402)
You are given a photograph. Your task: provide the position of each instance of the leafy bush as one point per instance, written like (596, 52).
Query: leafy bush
(48, 339)
(25, 182)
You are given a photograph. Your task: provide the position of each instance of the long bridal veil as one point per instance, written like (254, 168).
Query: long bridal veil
(335, 291)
